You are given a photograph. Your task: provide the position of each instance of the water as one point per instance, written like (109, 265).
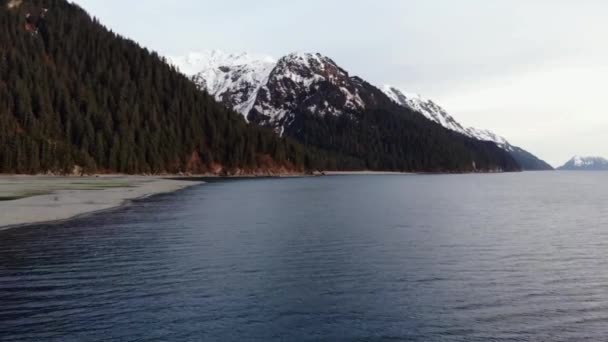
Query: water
(510, 257)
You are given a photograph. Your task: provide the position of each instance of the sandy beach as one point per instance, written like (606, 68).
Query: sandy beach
(38, 199)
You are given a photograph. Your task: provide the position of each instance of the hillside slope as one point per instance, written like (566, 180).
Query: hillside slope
(579, 163)
(75, 95)
(310, 98)
(435, 113)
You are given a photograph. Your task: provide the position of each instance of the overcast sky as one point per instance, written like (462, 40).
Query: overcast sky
(534, 71)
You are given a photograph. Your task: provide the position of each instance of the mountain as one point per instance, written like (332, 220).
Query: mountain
(578, 163)
(233, 78)
(75, 96)
(194, 62)
(310, 98)
(435, 113)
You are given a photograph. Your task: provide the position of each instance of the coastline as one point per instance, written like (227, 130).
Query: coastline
(28, 200)
(365, 173)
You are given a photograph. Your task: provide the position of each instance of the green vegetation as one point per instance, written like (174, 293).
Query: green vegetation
(390, 137)
(75, 93)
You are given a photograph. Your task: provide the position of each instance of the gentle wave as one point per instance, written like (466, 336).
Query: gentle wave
(336, 258)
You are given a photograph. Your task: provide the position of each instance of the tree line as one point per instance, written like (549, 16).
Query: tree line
(74, 93)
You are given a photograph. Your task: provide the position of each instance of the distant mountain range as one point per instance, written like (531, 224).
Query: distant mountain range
(280, 93)
(585, 164)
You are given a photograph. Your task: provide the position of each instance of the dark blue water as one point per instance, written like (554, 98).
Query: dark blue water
(509, 257)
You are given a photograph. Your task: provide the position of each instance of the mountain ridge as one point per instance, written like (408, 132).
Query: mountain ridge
(76, 97)
(234, 79)
(588, 163)
(436, 113)
(273, 114)
(307, 93)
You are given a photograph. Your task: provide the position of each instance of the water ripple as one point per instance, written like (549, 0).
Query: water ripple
(416, 258)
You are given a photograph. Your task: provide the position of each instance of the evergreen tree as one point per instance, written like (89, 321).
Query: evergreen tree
(74, 93)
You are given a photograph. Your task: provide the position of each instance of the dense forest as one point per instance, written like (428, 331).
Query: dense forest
(74, 93)
(528, 161)
(386, 136)
(77, 97)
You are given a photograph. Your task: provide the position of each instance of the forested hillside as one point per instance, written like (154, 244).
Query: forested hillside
(76, 97)
(308, 97)
(73, 93)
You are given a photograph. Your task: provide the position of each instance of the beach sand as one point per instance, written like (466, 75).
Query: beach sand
(38, 199)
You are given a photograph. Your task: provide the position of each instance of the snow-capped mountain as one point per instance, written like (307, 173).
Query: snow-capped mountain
(436, 113)
(425, 107)
(586, 163)
(196, 62)
(281, 94)
(233, 79)
(270, 92)
(305, 83)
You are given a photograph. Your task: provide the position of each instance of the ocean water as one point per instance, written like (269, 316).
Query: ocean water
(500, 257)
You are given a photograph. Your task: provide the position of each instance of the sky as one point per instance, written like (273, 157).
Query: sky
(533, 71)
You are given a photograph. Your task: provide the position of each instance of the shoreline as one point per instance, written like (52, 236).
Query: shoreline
(52, 199)
(365, 173)
(27, 200)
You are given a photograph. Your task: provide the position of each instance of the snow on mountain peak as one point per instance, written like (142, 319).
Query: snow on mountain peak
(306, 58)
(580, 161)
(268, 87)
(276, 93)
(435, 113)
(274, 89)
(585, 163)
(426, 107)
(232, 78)
(194, 62)
(396, 94)
(296, 84)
